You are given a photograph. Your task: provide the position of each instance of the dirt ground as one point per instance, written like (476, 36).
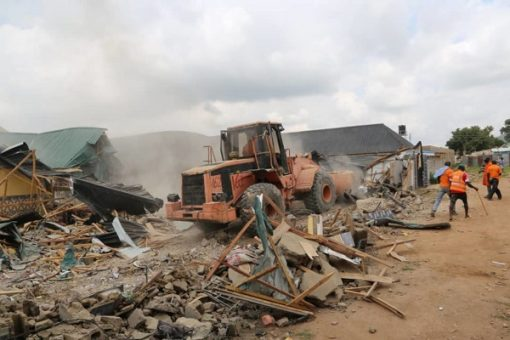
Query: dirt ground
(455, 285)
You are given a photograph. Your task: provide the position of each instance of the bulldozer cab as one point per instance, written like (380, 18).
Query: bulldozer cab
(262, 141)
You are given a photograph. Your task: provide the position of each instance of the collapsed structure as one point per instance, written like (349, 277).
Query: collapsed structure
(105, 241)
(87, 150)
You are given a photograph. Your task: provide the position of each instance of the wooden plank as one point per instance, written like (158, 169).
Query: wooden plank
(256, 276)
(396, 256)
(283, 267)
(310, 251)
(391, 249)
(267, 303)
(374, 285)
(308, 291)
(228, 249)
(339, 247)
(386, 245)
(379, 236)
(262, 282)
(366, 277)
(335, 218)
(54, 213)
(380, 302)
(358, 288)
(12, 292)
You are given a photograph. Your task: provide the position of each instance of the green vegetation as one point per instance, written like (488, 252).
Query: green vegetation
(471, 139)
(505, 131)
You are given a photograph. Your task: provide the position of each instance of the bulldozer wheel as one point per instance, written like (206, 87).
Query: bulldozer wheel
(322, 195)
(268, 189)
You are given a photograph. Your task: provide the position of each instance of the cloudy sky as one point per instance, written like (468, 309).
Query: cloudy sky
(143, 66)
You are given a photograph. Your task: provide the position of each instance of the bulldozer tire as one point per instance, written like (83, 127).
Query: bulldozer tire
(248, 198)
(322, 195)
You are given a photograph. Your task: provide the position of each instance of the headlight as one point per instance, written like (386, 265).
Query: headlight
(219, 197)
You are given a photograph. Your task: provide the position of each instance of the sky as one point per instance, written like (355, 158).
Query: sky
(144, 66)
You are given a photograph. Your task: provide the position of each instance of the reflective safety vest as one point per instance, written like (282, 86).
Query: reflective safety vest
(457, 183)
(494, 171)
(444, 179)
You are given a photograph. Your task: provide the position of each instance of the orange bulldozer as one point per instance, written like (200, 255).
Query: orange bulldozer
(255, 161)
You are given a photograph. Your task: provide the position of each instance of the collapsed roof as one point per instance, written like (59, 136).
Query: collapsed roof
(87, 148)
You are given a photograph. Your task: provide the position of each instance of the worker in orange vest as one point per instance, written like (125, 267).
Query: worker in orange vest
(485, 180)
(459, 181)
(493, 175)
(444, 186)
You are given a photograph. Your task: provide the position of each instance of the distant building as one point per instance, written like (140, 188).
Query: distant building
(359, 145)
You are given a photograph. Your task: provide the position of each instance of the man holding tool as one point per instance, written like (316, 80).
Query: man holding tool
(459, 181)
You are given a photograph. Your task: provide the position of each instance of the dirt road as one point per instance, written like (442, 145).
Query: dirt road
(456, 285)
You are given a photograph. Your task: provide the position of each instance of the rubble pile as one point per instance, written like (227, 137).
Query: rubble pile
(95, 266)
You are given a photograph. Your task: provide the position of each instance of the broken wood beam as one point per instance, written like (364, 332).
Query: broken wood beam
(283, 267)
(308, 291)
(339, 247)
(12, 292)
(262, 282)
(366, 277)
(256, 276)
(265, 302)
(374, 285)
(229, 248)
(386, 245)
(380, 302)
(391, 249)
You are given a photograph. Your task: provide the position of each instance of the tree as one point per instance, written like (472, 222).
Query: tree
(505, 131)
(471, 139)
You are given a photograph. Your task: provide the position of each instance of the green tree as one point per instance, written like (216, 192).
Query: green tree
(471, 139)
(505, 131)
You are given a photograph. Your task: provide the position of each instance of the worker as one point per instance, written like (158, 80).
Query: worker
(485, 179)
(459, 179)
(443, 174)
(493, 175)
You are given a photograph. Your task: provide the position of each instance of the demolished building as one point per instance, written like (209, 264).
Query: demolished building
(84, 149)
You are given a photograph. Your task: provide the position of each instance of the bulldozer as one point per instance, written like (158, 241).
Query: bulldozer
(254, 161)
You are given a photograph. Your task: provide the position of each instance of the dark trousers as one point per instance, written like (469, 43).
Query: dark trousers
(454, 196)
(494, 182)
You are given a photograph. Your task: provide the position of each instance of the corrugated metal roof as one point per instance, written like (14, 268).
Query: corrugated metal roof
(351, 140)
(60, 148)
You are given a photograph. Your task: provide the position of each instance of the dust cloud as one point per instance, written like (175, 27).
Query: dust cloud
(156, 160)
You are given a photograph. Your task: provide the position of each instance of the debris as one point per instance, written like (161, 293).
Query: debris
(201, 330)
(105, 198)
(74, 312)
(136, 318)
(390, 222)
(313, 285)
(293, 249)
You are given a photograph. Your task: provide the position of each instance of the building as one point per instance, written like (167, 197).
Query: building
(356, 145)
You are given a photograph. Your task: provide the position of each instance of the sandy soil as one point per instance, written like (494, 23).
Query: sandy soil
(449, 289)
